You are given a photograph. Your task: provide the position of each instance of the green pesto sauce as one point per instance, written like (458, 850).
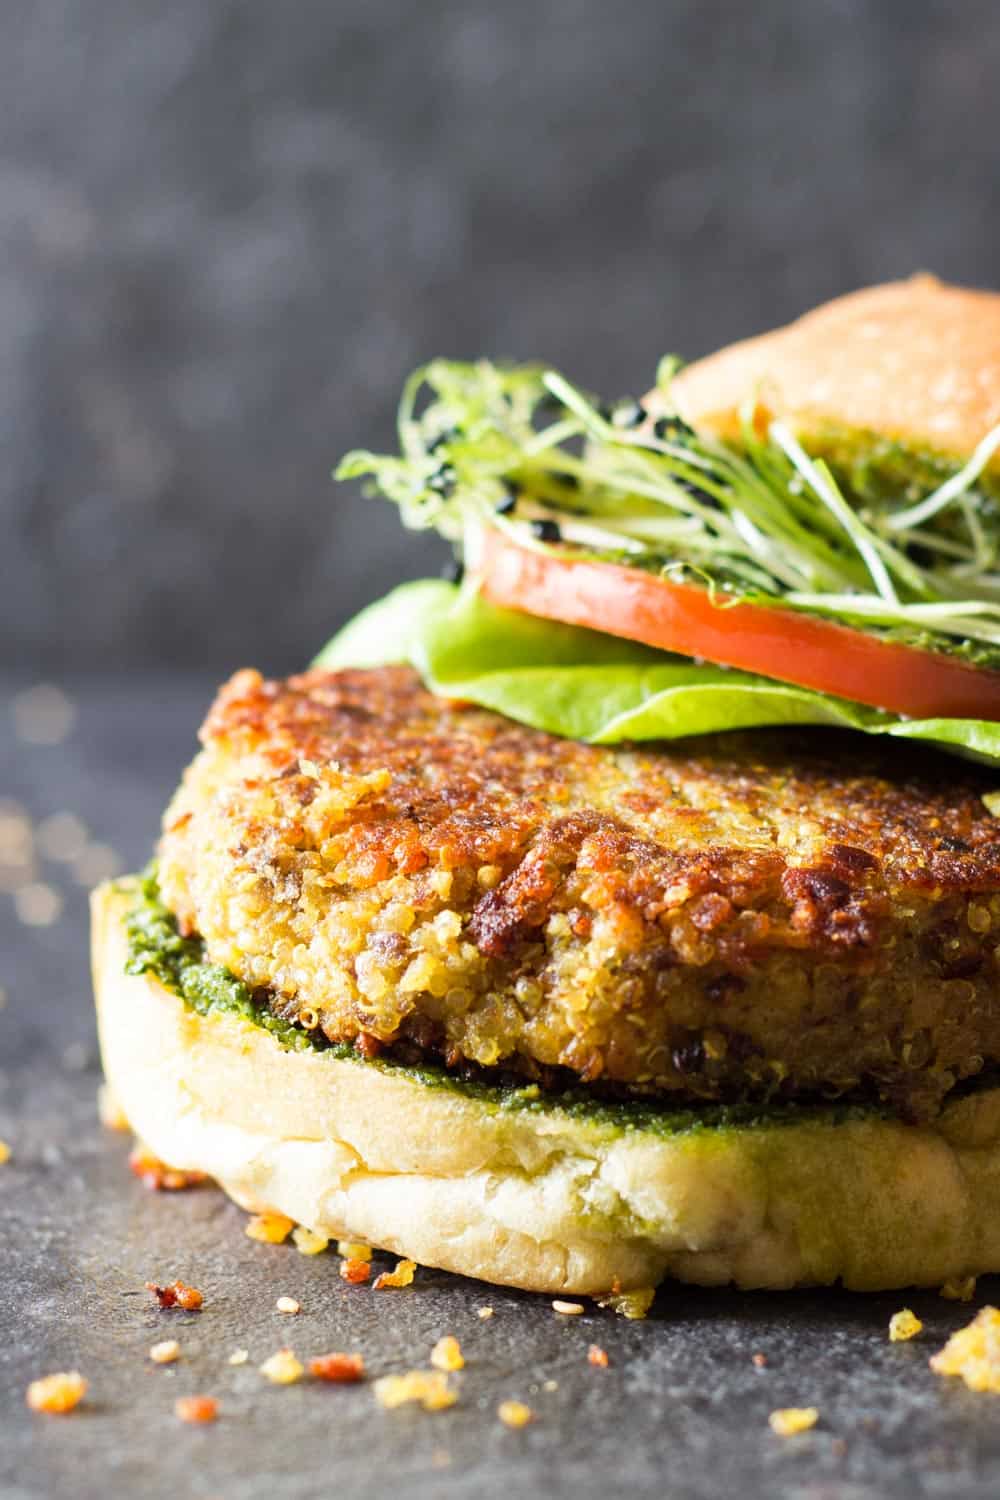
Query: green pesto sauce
(886, 472)
(155, 946)
(975, 653)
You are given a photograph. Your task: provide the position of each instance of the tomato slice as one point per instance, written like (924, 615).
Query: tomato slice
(762, 638)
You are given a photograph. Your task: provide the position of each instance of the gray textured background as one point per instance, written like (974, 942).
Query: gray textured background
(227, 232)
(228, 229)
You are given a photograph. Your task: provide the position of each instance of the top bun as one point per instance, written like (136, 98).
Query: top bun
(915, 361)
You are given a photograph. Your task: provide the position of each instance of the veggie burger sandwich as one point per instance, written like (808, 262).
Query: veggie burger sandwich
(628, 907)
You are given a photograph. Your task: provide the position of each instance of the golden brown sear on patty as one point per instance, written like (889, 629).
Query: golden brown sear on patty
(739, 915)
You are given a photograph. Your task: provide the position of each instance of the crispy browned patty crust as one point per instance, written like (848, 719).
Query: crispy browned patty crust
(743, 914)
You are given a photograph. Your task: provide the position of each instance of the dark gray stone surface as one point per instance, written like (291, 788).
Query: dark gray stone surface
(681, 1412)
(229, 228)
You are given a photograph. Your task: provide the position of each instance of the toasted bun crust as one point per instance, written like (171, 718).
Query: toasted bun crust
(915, 361)
(543, 1200)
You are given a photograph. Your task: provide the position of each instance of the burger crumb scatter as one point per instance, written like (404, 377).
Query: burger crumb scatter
(177, 1295)
(484, 1312)
(238, 1357)
(973, 1353)
(568, 1309)
(269, 1229)
(356, 1271)
(760, 1360)
(550, 1385)
(515, 1414)
(158, 1177)
(288, 1305)
(904, 1325)
(57, 1394)
(959, 1289)
(109, 1111)
(283, 1368)
(307, 1242)
(338, 1369)
(4, 1152)
(401, 1276)
(598, 1356)
(165, 1352)
(447, 1354)
(429, 1387)
(788, 1421)
(196, 1409)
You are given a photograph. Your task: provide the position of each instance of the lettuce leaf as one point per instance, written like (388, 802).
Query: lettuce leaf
(585, 685)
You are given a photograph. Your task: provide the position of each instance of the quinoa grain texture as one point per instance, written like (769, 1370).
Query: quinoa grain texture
(739, 915)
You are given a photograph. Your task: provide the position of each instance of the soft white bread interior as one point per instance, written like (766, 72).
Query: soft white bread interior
(913, 361)
(542, 1198)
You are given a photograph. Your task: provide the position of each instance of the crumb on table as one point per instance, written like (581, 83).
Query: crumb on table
(428, 1387)
(196, 1408)
(177, 1294)
(58, 1393)
(401, 1276)
(307, 1242)
(355, 1271)
(268, 1228)
(282, 1368)
(165, 1352)
(447, 1354)
(633, 1305)
(973, 1352)
(515, 1413)
(338, 1369)
(353, 1250)
(904, 1325)
(788, 1421)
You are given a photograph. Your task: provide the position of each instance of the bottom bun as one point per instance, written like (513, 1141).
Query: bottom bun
(516, 1189)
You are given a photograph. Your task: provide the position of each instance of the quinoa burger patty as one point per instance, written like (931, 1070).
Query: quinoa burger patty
(729, 917)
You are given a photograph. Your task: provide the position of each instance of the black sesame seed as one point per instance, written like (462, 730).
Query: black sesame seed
(440, 438)
(922, 556)
(546, 531)
(453, 572)
(509, 502)
(442, 481)
(570, 481)
(672, 427)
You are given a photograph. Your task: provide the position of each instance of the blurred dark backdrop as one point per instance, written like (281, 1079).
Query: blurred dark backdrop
(229, 228)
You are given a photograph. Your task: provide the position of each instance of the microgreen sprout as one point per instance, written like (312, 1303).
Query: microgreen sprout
(759, 518)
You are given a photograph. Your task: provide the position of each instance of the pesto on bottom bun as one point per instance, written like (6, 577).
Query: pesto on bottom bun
(552, 1194)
